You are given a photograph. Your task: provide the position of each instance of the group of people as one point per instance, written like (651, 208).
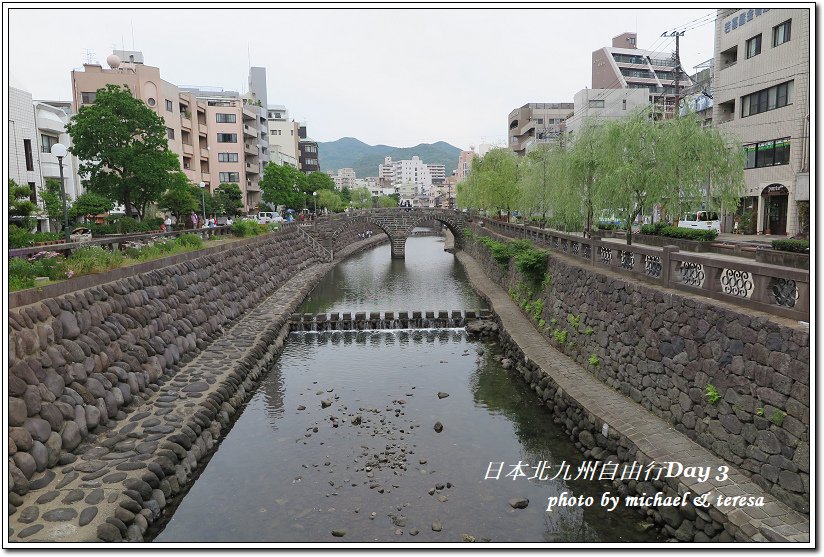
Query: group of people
(197, 222)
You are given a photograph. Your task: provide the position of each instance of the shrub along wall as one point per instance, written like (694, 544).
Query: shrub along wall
(75, 361)
(736, 383)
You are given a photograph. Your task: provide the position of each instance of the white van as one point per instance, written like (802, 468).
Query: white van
(701, 220)
(265, 217)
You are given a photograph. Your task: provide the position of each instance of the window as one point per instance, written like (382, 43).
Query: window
(767, 99)
(540, 121)
(227, 138)
(754, 46)
(32, 192)
(767, 153)
(596, 103)
(29, 158)
(625, 104)
(781, 33)
(228, 177)
(88, 98)
(221, 118)
(151, 102)
(169, 105)
(227, 157)
(277, 114)
(46, 142)
(170, 133)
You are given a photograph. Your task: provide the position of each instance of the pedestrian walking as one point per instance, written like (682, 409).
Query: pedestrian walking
(194, 219)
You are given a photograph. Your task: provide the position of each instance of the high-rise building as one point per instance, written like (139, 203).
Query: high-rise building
(464, 164)
(604, 104)
(625, 66)
(307, 152)
(345, 178)
(536, 123)
(409, 171)
(283, 136)
(761, 95)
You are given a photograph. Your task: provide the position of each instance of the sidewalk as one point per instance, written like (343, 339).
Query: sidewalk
(654, 438)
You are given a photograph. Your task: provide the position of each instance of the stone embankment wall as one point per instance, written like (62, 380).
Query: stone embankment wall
(666, 350)
(76, 361)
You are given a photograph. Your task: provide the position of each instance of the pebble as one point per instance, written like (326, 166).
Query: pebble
(339, 532)
(519, 503)
(438, 427)
(437, 526)
(442, 394)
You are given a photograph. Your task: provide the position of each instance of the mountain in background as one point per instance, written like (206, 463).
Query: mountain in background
(349, 152)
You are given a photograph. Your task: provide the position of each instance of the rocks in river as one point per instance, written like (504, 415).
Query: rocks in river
(301, 407)
(519, 503)
(438, 427)
(326, 403)
(437, 526)
(469, 538)
(339, 532)
(442, 394)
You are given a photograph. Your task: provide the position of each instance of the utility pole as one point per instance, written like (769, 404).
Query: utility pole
(677, 35)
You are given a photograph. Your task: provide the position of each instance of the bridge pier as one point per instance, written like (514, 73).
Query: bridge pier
(398, 246)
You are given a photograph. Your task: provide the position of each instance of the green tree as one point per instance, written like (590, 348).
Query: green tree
(361, 198)
(180, 198)
(89, 203)
(345, 195)
(53, 203)
(319, 181)
(387, 201)
(283, 185)
(579, 176)
(21, 207)
(230, 199)
(124, 150)
(497, 180)
(329, 200)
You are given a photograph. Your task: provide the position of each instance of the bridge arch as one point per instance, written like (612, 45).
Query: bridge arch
(397, 223)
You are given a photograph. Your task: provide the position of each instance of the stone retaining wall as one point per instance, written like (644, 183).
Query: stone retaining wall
(665, 349)
(76, 360)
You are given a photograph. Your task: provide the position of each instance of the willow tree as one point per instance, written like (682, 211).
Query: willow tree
(581, 171)
(539, 171)
(634, 171)
(497, 180)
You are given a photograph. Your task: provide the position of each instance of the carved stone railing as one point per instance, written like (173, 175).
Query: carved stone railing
(774, 289)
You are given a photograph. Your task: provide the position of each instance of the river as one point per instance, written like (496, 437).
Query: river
(340, 436)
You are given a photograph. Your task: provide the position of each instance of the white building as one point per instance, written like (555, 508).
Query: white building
(34, 126)
(409, 171)
(604, 104)
(283, 136)
(345, 178)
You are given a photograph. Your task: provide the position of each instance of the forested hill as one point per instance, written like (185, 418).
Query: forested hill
(349, 152)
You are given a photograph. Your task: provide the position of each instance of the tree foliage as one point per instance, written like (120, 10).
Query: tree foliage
(361, 198)
(230, 199)
(21, 207)
(329, 200)
(387, 201)
(180, 199)
(53, 203)
(89, 203)
(319, 181)
(283, 185)
(124, 150)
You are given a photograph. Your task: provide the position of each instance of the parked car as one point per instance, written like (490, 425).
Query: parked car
(701, 220)
(81, 234)
(265, 217)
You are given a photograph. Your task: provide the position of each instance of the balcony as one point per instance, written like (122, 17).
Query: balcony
(248, 114)
(250, 149)
(252, 168)
(205, 176)
(201, 129)
(252, 186)
(249, 131)
(188, 149)
(185, 123)
(204, 153)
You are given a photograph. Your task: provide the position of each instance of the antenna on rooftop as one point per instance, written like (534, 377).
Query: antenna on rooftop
(132, 24)
(89, 55)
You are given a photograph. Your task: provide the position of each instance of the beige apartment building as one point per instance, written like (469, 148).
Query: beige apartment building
(215, 134)
(465, 164)
(536, 123)
(761, 96)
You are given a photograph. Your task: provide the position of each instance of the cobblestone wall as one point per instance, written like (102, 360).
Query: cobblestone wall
(78, 360)
(668, 352)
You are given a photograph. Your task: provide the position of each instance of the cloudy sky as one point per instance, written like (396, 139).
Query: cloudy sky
(392, 76)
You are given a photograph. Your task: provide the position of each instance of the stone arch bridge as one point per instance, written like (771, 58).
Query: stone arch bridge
(397, 223)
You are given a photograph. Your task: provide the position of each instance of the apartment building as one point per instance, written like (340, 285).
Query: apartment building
(345, 178)
(625, 66)
(409, 171)
(697, 97)
(283, 136)
(762, 96)
(536, 122)
(217, 134)
(34, 126)
(599, 105)
(465, 164)
(307, 152)
(437, 172)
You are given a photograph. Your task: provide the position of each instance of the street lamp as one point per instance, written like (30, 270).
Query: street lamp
(59, 150)
(203, 199)
(315, 195)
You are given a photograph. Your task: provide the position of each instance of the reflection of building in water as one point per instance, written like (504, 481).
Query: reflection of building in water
(272, 391)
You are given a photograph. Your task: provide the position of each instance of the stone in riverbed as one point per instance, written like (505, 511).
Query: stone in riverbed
(339, 532)
(442, 394)
(519, 503)
(437, 526)
(438, 427)
(87, 515)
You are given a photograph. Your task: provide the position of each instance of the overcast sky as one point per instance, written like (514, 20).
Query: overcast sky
(393, 76)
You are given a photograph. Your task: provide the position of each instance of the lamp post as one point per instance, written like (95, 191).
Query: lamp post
(203, 200)
(59, 150)
(315, 216)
